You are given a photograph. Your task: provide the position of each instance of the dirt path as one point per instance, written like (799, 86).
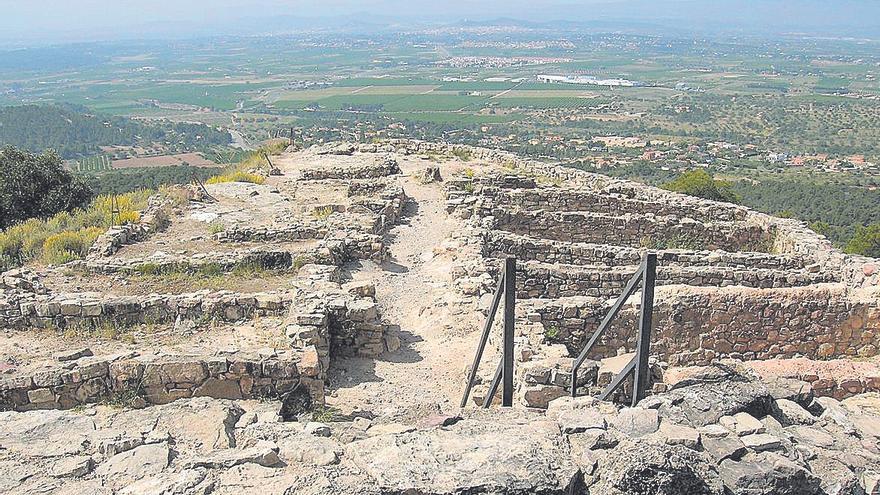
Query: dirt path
(412, 290)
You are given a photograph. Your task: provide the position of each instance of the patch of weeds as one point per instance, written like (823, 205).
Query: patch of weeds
(551, 332)
(237, 176)
(462, 154)
(209, 270)
(325, 414)
(469, 173)
(674, 242)
(249, 270)
(126, 399)
(299, 262)
(177, 196)
(322, 214)
(546, 180)
(469, 187)
(216, 227)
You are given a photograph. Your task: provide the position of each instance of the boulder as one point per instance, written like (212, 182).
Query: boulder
(767, 474)
(495, 455)
(716, 391)
(643, 468)
(791, 413)
(45, 433)
(636, 422)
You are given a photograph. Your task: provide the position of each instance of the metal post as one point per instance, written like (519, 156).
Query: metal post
(649, 277)
(483, 339)
(291, 136)
(509, 316)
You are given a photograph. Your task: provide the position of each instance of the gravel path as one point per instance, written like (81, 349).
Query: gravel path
(427, 373)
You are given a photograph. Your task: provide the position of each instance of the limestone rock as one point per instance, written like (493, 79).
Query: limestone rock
(71, 467)
(767, 474)
(466, 457)
(761, 441)
(264, 453)
(674, 434)
(742, 424)
(791, 413)
(637, 422)
(642, 468)
(715, 392)
(45, 433)
(185, 482)
(136, 463)
(580, 420)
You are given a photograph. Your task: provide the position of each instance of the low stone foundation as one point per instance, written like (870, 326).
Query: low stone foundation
(383, 168)
(287, 233)
(86, 310)
(609, 203)
(502, 244)
(634, 231)
(140, 381)
(540, 280)
(693, 326)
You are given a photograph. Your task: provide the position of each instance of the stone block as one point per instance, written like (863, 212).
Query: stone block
(760, 442)
(636, 422)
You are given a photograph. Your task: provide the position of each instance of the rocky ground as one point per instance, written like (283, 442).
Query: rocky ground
(718, 432)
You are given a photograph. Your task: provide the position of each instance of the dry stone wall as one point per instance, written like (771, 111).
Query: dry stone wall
(608, 203)
(498, 244)
(152, 219)
(697, 325)
(22, 309)
(633, 230)
(141, 381)
(539, 280)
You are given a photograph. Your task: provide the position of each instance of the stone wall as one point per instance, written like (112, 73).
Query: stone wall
(22, 309)
(539, 280)
(503, 244)
(634, 230)
(270, 259)
(152, 219)
(604, 202)
(384, 168)
(287, 233)
(139, 381)
(693, 326)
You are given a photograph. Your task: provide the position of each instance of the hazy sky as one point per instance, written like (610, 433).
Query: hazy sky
(27, 20)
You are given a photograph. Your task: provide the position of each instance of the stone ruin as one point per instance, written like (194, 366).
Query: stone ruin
(121, 374)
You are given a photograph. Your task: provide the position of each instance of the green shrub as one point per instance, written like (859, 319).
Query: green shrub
(701, 184)
(216, 227)
(866, 241)
(36, 186)
(66, 236)
(67, 246)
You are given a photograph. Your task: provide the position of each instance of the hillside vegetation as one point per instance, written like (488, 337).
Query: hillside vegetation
(74, 131)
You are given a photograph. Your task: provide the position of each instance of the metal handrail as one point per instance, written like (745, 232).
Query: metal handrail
(504, 372)
(484, 338)
(646, 274)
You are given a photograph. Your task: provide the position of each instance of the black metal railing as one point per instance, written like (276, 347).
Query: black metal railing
(647, 275)
(504, 372)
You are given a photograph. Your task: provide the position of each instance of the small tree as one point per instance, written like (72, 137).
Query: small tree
(701, 184)
(36, 186)
(866, 241)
